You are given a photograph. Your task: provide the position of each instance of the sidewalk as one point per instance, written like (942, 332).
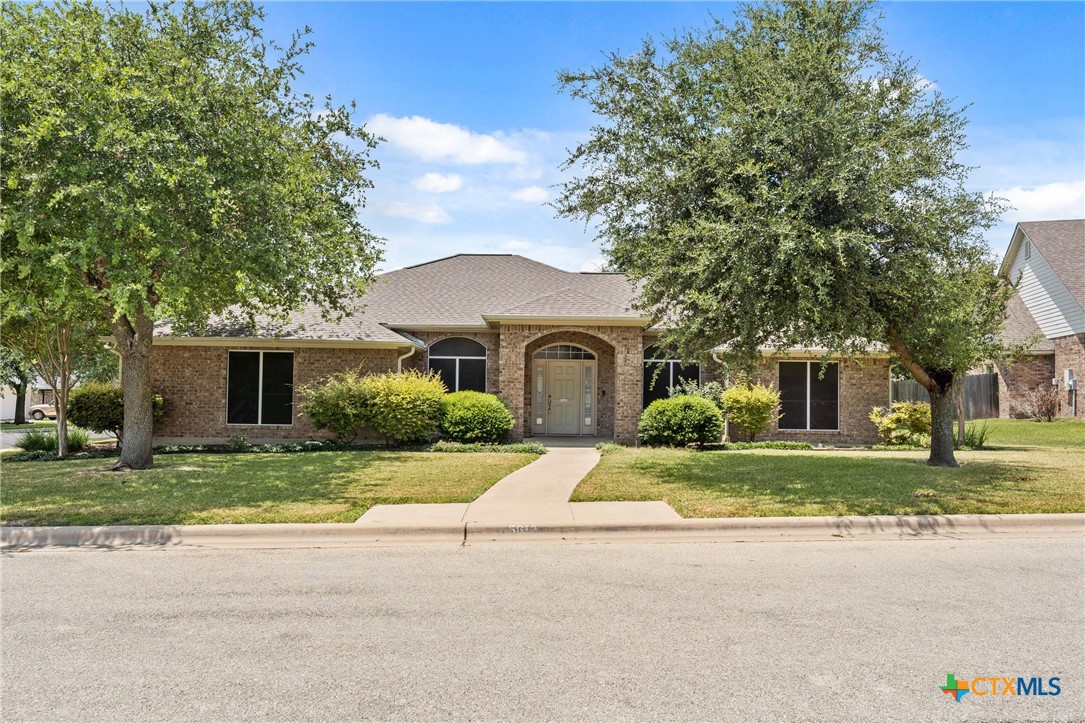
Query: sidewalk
(536, 494)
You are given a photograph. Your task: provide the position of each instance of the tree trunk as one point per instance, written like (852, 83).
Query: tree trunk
(20, 404)
(958, 396)
(942, 413)
(60, 404)
(134, 335)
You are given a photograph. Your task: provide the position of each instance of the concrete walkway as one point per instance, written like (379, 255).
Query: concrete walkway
(537, 493)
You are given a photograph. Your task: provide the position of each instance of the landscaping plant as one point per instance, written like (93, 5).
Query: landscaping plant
(678, 421)
(45, 440)
(337, 404)
(751, 406)
(712, 391)
(469, 417)
(1042, 403)
(402, 406)
(907, 423)
(99, 407)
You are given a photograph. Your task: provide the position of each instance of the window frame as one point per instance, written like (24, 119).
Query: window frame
(485, 361)
(671, 366)
(260, 387)
(809, 370)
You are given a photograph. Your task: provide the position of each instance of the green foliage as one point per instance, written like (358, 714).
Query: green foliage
(751, 406)
(514, 448)
(45, 440)
(712, 391)
(678, 421)
(52, 456)
(784, 180)
(975, 435)
(906, 424)
(468, 417)
(403, 406)
(609, 448)
(99, 407)
(161, 165)
(238, 443)
(740, 446)
(337, 404)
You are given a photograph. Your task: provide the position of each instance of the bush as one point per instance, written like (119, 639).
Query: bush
(99, 407)
(514, 448)
(469, 417)
(906, 424)
(403, 406)
(751, 407)
(606, 448)
(1042, 403)
(975, 435)
(336, 404)
(239, 443)
(678, 421)
(45, 440)
(712, 391)
(742, 446)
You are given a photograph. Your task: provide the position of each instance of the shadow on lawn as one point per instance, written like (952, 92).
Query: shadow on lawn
(815, 484)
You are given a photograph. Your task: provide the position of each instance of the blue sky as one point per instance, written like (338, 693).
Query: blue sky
(465, 94)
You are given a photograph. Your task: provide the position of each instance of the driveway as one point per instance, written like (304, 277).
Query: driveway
(732, 631)
(9, 439)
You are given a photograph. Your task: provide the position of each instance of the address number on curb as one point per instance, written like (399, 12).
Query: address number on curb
(523, 528)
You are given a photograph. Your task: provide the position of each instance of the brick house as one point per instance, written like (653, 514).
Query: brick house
(566, 351)
(1046, 263)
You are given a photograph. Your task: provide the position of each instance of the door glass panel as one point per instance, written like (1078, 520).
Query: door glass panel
(587, 395)
(540, 388)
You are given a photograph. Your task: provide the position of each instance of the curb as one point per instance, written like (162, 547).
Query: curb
(737, 529)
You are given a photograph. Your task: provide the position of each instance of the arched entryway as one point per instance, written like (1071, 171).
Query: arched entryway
(569, 386)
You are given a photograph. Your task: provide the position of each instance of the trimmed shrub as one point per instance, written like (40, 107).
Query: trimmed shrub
(906, 424)
(45, 440)
(469, 417)
(402, 406)
(712, 391)
(751, 407)
(337, 404)
(99, 407)
(678, 421)
(514, 448)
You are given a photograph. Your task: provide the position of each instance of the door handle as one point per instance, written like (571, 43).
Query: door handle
(548, 400)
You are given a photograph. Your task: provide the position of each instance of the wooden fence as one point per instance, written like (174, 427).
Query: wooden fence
(980, 394)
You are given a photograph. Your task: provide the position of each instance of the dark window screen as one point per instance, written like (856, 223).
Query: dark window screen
(792, 395)
(472, 375)
(278, 388)
(691, 373)
(446, 369)
(457, 346)
(655, 385)
(823, 396)
(243, 388)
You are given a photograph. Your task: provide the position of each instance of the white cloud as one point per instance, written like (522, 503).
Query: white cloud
(531, 194)
(429, 213)
(445, 142)
(593, 265)
(925, 84)
(1048, 202)
(517, 245)
(438, 183)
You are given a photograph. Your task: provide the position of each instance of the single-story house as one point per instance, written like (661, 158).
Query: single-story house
(1046, 263)
(566, 351)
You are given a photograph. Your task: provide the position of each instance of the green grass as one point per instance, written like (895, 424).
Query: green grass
(1029, 467)
(45, 423)
(243, 488)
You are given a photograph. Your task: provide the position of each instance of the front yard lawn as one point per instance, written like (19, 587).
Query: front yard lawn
(44, 424)
(1030, 467)
(220, 488)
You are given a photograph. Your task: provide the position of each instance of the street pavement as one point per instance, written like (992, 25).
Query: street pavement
(860, 630)
(9, 439)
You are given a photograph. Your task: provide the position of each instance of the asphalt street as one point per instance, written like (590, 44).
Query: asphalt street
(727, 631)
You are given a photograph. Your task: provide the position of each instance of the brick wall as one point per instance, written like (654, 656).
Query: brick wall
(627, 345)
(863, 385)
(1070, 354)
(192, 382)
(1015, 380)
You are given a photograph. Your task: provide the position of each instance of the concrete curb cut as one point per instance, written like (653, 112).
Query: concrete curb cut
(739, 529)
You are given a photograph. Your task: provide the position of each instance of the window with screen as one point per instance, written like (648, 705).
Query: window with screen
(260, 387)
(809, 399)
(460, 362)
(661, 373)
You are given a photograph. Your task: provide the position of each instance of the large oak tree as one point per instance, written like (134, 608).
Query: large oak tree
(164, 160)
(788, 181)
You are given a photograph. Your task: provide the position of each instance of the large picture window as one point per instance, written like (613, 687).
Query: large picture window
(260, 388)
(809, 400)
(670, 373)
(461, 364)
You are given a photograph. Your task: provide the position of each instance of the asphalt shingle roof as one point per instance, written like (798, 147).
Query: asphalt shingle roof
(455, 291)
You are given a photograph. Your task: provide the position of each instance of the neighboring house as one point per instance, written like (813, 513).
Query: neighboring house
(37, 393)
(564, 350)
(1046, 263)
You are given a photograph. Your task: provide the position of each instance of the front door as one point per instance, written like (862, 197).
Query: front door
(563, 389)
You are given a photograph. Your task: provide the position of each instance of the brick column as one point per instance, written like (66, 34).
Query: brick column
(629, 379)
(512, 379)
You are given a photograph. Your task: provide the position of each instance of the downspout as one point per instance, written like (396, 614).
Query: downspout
(726, 383)
(399, 360)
